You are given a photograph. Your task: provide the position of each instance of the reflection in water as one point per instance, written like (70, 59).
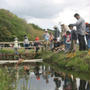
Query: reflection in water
(45, 78)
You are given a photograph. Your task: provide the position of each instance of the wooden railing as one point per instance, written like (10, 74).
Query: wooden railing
(19, 42)
(8, 44)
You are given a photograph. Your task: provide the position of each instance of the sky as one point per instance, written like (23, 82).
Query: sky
(48, 13)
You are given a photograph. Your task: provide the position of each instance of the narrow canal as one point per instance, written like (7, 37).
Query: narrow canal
(44, 77)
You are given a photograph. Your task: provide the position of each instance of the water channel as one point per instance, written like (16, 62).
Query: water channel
(45, 77)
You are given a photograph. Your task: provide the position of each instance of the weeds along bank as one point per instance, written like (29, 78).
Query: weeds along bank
(80, 63)
(5, 81)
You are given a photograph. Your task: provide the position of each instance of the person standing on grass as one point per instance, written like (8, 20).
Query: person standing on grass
(68, 41)
(88, 36)
(56, 33)
(73, 40)
(80, 25)
(51, 40)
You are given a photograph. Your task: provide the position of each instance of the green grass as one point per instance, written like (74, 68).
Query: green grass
(78, 63)
(12, 51)
(5, 81)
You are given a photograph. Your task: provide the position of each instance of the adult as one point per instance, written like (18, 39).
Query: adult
(80, 25)
(46, 35)
(26, 42)
(88, 36)
(56, 33)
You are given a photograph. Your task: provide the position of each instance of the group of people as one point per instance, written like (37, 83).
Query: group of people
(52, 40)
(82, 31)
(26, 44)
(68, 41)
(17, 45)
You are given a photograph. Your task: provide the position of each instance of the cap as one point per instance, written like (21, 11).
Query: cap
(37, 38)
(55, 26)
(46, 30)
(86, 23)
(70, 25)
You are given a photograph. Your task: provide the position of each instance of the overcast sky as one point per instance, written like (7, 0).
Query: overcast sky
(47, 13)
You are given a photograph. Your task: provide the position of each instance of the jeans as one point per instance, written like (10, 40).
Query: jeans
(16, 51)
(67, 46)
(73, 45)
(82, 43)
(64, 38)
(88, 43)
(51, 45)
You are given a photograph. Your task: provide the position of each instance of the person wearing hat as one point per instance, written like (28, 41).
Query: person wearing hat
(88, 37)
(46, 37)
(36, 44)
(26, 42)
(16, 45)
(81, 27)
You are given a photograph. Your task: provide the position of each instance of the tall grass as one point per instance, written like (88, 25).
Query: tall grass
(5, 81)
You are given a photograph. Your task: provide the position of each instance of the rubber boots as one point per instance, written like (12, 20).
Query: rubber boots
(89, 52)
(71, 55)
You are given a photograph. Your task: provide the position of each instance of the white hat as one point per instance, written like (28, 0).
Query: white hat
(55, 26)
(46, 30)
(16, 38)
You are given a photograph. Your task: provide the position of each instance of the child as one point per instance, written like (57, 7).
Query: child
(51, 41)
(56, 45)
(16, 46)
(36, 44)
(68, 40)
(46, 37)
(73, 40)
